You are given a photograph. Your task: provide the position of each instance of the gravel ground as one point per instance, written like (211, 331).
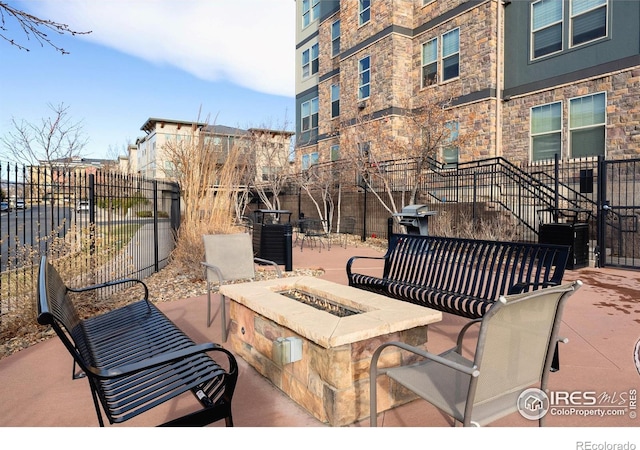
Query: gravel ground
(167, 285)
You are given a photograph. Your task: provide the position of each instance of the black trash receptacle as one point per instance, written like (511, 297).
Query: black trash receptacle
(415, 219)
(574, 233)
(272, 233)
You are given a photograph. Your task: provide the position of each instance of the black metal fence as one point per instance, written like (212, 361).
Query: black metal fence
(97, 226)
(528, 194)
(481, 196)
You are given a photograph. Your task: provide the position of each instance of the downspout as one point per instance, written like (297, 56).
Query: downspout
(501, 4)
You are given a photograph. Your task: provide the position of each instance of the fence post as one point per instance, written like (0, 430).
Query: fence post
(475, 199)
(156, 262)
(92, 213)
(602, 204)
(364, 214)
(175, 207)
(556, 185)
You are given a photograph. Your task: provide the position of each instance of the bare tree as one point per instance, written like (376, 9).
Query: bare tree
(321, 180)
(54, 140)
(273, 169)
(391, 154)
(32, 27)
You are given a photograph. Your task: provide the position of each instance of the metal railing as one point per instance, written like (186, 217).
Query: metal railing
(476, 191)
(96, 225)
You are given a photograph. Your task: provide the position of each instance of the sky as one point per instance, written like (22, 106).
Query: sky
(225, 62)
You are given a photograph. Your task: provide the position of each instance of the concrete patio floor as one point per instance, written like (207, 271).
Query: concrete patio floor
(601, 321)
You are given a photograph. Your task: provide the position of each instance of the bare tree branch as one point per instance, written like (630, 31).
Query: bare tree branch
(55, 139)
(32, 27)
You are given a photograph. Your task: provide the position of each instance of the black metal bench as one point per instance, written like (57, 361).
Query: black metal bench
(135, 357)
(461, 276)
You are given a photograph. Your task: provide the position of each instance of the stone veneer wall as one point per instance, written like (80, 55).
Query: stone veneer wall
(396, 68)
(331, 384)
(623, 115)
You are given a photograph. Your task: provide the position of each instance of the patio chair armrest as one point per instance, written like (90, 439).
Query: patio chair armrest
(273, 263)
(216, 269)
(471, 371)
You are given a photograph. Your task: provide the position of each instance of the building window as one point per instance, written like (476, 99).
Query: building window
(587, 119)
(546, 131)
(426, 2)
(364, 11)
(335, 152)
(310, 11)
(335, 38)
(309, 160)
(430, 62)
(451, 54)
(309, 111)
(450, 151)
(364, 150)
(588, 20)
(310, 61)
(335, 100)
(364, 77)
(270, 173)
(546, 27)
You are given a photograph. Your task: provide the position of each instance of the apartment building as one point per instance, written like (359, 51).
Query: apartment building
(151, 159)
(527, 79)
(269, 150)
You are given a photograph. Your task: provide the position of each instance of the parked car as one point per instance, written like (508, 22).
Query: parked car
(20, 204)
(83, 205)
(4, 207)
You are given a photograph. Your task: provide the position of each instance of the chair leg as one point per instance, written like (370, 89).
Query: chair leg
(223, 316)
(208, 307)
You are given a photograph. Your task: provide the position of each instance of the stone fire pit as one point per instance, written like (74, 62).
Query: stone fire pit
(330, 380)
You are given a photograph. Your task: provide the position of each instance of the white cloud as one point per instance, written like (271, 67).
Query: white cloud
(250, 43)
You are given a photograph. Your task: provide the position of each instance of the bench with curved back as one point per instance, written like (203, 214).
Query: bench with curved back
(135, 358)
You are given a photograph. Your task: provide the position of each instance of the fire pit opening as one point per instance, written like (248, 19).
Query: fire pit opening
(320, 303)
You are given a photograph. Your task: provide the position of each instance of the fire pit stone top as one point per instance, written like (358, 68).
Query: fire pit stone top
(378, 315)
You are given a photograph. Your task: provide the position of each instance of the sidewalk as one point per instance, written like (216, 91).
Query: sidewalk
(601, 322)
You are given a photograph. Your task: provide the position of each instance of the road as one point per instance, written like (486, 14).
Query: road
(30, 227)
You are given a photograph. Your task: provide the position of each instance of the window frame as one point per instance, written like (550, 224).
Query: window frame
(451, 144)
(364, 12)
(545, 27)
(573, 16)
(424, 64)
(603, 125)
(335, 40)
(334, 152)
(311, 63)
(444, 57)
(312, 124)
(567, 24)
(440, 59)
(311, 13)
(533, 135)
(361, 84)
(335, 100)
(304, 161)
